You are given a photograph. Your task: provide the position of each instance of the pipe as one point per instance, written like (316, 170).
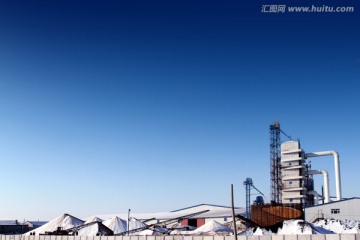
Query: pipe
(337, 168)
(326, 183)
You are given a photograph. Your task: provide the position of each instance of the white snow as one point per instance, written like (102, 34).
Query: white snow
(211, 228)
(289, 227)
(260, 231)
(145, 232)
(327, 226)
(337, 226)
(295, 227)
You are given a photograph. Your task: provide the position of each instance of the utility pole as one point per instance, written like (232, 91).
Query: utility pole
(128, 222)
(233, 211)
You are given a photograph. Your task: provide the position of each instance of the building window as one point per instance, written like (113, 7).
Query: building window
(335, 211)
(225, 219)
(291, 199)
(290, 182)
(192, 222)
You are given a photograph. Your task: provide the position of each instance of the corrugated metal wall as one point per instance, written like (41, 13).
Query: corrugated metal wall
(267, 215)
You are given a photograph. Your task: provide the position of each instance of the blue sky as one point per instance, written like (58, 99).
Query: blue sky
(160, 105)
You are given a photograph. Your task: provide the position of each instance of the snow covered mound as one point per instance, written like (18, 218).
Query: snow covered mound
(338, 226)
(327, 226)
(295, 227)
(289, 227)
(65, 221)
(260, 231)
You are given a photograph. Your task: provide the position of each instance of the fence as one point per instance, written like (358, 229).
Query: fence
(270, 237)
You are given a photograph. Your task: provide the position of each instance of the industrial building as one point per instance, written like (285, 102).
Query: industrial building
(291, 175)
(12, 227)
(347, 209)
(221, 214)
(297, 176)
(292, 183)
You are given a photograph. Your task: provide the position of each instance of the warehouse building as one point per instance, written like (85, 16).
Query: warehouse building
(12, 227)
(347, 209)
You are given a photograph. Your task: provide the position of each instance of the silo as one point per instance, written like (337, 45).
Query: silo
(292, 172)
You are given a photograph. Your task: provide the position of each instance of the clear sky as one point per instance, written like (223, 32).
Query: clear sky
(160, 105)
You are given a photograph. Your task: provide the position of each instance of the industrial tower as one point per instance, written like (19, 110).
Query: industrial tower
(259, 200)
(275, 162)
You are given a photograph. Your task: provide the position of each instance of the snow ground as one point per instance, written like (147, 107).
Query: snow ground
(326, 226)
(337, 226)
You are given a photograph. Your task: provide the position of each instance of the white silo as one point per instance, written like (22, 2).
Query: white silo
(292, 172)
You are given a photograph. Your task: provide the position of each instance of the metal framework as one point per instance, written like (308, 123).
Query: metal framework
(275, 162)
(248, 186)
(248, 183)
(163, 223)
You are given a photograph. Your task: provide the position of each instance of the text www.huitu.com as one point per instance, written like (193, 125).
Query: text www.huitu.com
(306, 9)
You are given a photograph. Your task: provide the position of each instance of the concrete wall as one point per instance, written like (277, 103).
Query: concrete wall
(273, 237)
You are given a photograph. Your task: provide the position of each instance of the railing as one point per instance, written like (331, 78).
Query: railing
(171, 237)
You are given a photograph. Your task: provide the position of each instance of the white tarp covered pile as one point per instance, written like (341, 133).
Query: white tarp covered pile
(64, 222)
(116, 224)
(135, 224)
(93, 219)
(94, 229)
